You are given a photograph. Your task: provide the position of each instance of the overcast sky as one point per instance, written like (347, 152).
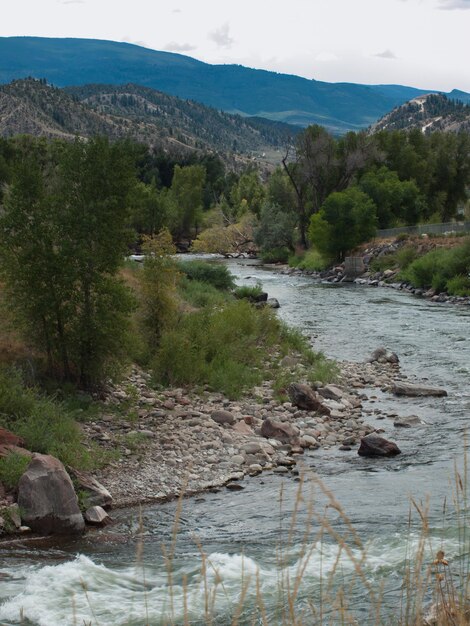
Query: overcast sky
(423, 43)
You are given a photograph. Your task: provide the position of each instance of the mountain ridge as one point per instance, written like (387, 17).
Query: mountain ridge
(232, 88)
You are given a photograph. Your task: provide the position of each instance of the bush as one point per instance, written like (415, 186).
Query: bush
(276, 255)
(43, 422)
(224, 348)
(201, 295)
(12, 468)
(214, 274)
(405, 256)
(311, 261)
(459, 286)
(248, 292)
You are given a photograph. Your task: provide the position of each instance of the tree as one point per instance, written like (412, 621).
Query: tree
(63, 236)
(276, 228)
(247, 194)
(185, 200)
(345, 220)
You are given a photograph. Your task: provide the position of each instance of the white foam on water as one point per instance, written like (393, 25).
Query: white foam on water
(81, 591)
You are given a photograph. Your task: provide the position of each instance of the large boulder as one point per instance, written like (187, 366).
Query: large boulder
(95, 493)
(373, 445)
(47, 499)
(281, 431)
(303, 397)
(416, 391)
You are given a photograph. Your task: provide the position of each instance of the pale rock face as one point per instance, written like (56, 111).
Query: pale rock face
(47, 498)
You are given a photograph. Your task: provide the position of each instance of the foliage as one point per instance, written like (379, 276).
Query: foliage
(276, 255)
(459, 285)
(346, 219)
(247, 194)
(12, 468)
(275, 229)
(439, 267)
(43, 422)
(224, 348)
(395, 200)
(214, 274)
(63, 236)
(158, 283)
(226, 239)
(311, 261)
(201, 294)
(185, 199)
(248, 292)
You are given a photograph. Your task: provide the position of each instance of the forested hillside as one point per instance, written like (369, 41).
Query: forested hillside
(33, 107)
(428, 113)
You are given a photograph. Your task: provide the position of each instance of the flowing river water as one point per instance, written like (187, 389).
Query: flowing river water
(119, 577)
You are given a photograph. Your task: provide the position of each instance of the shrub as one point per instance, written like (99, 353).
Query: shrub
(276, 255)
(311, 261)
(12, 467)
(200, 295)
(214, 274)
(224, 348)
(405, 256)
(459, 286)
(438, 267)
(248, 292)
(43, 422)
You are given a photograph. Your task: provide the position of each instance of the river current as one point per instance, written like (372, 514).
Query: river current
(119, 577)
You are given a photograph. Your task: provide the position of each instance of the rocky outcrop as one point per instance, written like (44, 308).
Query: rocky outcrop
(303, 397)
(373, 445)
(416, 391)
(47, 499)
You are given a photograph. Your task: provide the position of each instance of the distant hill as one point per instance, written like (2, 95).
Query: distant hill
(428, 113)
(232, 88)
(34, 107)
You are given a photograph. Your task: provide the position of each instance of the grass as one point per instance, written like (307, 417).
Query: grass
(311, 261)
(214, 274)
(45, 424)
(12, 467)
(248, 292)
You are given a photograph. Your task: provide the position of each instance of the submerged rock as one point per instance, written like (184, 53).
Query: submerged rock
(97, 516)
(383, 355)
(373, 445)
(415, 391)
(408, 422)
(47, 499)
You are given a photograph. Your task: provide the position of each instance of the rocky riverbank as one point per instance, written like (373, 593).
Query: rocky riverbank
(389, 278)
(178, 441)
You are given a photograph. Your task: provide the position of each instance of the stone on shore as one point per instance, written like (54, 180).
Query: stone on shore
(416, 391)
(373, 445)
(303, 397)
(222, 417)
(383, 355)
(95, 493)
(47, 499)
(97, 516)
(281, 431)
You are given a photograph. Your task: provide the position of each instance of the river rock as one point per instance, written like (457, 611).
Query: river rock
(95, 493)
(47, 499)
(414, 391)
(242, 428)
(303, 397)
(331, 392)
(383, 355)
(373, 445)
(97, 516)
(408, 422)
(282, 431)
(273, 303)
(223, 417)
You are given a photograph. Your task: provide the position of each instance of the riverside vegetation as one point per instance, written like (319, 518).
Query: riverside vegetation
(75, 316)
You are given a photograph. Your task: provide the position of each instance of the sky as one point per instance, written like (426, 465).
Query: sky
(422, 43)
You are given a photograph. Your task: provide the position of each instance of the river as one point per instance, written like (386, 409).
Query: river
(119, 577)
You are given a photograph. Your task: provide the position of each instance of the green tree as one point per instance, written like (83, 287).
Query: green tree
(185, 200)
(345, 220)
(63, 236)
(247, 194)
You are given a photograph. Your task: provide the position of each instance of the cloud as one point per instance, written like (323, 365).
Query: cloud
(71, 1)
(176, 11)
(221, 36)
(324, 57)
(453, 5)
(386, 54)
(174, 46)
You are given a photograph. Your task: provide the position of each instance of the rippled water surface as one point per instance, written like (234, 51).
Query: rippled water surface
(105, 580)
